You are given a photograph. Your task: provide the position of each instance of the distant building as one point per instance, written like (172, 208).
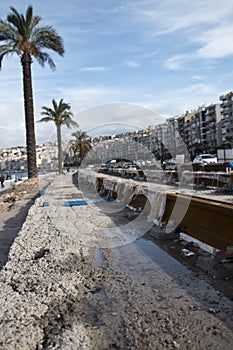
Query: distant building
(227, 118)
(213, 119)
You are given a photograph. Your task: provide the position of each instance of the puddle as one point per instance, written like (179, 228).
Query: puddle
(137, 260)
(160, 257)
(168, 255)
(99, 259)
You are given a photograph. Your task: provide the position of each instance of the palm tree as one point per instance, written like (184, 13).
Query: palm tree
(81, 145)
(23, 36)
(60, 115)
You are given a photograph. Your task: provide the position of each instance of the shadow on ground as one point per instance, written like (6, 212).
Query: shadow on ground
(11, 227)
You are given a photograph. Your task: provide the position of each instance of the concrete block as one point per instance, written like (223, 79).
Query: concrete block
(161, 234)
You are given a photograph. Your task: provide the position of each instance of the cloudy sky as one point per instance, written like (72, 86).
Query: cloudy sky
(163, 56)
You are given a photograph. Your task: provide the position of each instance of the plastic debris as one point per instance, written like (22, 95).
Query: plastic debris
(187, 252)
(224, 256)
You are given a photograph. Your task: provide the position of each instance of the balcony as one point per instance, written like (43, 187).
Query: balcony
(225, 103)
(226, 110)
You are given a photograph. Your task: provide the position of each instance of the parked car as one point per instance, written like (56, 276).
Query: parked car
(205, 158)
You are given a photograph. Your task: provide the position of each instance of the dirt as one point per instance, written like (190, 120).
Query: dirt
(61, 292)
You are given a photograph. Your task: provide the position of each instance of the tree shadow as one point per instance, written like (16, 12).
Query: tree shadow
(11, 228)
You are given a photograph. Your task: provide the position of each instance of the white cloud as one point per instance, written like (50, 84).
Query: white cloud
(198, 77)
(12, 126)
(133, 64)
(89, 95)
(177, 101)
(206, 23)
(93, 69)
(172, 15)
(217, 43)
(177, 62)
(150, 54)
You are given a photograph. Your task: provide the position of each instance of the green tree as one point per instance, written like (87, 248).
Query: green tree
(81, 145)
(21, 35)
(60, 114)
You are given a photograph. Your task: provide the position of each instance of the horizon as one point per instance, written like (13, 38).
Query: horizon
(168, 58)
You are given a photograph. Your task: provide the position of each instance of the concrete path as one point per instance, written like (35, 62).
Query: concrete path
(59, 293)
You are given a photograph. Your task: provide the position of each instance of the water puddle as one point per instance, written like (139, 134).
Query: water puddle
(99, 259)
(169, 256)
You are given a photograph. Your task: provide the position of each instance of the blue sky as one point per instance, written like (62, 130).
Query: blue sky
(165, 56)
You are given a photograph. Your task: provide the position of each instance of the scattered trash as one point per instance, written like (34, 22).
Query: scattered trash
(83, 202)
(175, 344)
(41, 253)
(187, 252)
(212, 311)
(75, 203)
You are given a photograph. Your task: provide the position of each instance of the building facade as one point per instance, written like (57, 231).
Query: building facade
(227, 118)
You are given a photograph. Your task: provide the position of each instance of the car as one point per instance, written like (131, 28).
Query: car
(170, 161)
(205, 158)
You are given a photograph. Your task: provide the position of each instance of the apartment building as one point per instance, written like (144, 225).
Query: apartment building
(227, 118)
(213, 130)
(200, 130)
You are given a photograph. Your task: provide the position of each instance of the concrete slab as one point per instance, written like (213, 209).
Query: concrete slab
(161, 234)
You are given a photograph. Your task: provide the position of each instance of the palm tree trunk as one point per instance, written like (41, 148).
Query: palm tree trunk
(81, 153)
(29, 116)
(59, 148)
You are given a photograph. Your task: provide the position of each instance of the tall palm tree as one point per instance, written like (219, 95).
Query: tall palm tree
(81, 145)
(60, 115)
(21, 35)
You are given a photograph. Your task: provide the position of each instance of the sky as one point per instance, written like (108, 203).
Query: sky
(127, 64)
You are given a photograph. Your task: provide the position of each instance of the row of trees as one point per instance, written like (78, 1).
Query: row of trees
(23, 36)
(61, 114)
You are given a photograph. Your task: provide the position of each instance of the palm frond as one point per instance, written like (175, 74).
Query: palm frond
(14, 18)
(5, 49)
(79, 134)
(42, 58)
(34, 22)
(47, 37)
(29, 16)
(45, 119)
(54, 103)
(24, 34)
(64, 107)
(5, 53)
(70, 122)
(61, 103)
(8, 33)
(81, 145)
(48, 111)
(60, 113)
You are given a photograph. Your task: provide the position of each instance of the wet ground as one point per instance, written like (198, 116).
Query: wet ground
(180, 261)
